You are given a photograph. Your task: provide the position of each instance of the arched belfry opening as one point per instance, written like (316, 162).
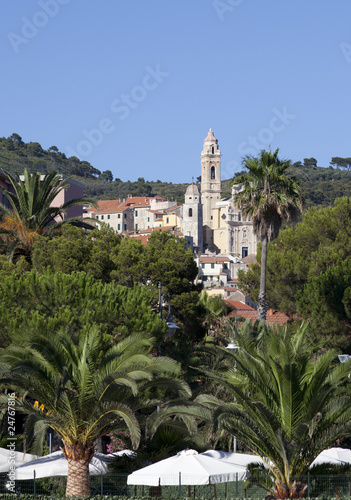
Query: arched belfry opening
(213, 172)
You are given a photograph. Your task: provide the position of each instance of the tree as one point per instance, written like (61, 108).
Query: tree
(93, 251)
(31, 302)
(341, 162)
(215, 310)
(83, 394)
(289, 401)
(310, 162)
(32, 212)
(106, 175)
(309, 271)
(269, 196)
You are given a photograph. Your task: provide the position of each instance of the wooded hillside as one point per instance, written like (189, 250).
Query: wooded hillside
(321, 185)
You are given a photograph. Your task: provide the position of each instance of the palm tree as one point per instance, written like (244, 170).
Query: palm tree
(82, 393)
(288, 401)
(32, 212)
(215, 309)
(269, 197)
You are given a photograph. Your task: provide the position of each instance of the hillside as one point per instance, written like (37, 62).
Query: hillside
(320, 185)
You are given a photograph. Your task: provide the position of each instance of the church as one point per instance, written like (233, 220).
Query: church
(216, 225)
(211, 225)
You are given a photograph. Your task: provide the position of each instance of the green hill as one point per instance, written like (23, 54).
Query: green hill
(320, 185)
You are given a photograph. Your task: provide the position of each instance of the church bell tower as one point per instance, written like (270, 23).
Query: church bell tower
(210, 185)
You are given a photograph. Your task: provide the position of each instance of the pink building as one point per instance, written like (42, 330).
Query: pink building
(73, 191)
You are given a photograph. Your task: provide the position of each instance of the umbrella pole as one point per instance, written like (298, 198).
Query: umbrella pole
(214, 491)
(189, 492)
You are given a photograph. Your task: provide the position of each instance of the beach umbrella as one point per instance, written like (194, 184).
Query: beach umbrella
(55, 464)
(10, 458)
(188, 467)
(241, 459)
(338, 456)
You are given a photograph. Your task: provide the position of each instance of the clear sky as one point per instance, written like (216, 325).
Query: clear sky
(133, 86)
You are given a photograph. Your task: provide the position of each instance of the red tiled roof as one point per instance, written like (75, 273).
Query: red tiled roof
(210, 260)
(109, 206)
(272, 318)
(141, 237)
(238, 306)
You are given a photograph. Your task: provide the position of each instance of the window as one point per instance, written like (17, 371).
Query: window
(136, 213)
(212, 265)
(125, 227)
(167, 219)
(125, 216)
(203, 265)
(244, 252)
(225, 265)
(190, 212)
(213, 150)
(119, 216)
(118, 227)
(213, 173)
(97, 216)
(148, 219)
(102, 217)
(108, 216)
(136, 227)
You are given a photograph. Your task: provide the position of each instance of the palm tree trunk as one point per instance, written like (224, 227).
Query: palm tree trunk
(78, 479)
(262, 306)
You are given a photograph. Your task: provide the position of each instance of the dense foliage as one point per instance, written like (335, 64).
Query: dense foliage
(46, 302)
(85, 393)
(309, 272)
(125, 261)
(289, 400)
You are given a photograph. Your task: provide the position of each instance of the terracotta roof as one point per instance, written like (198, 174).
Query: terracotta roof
(141, 237)
(209, 260)
(110, 206)
(250, 259)
(272, 318)
(170, 209)
(238, 306)
(107, 206)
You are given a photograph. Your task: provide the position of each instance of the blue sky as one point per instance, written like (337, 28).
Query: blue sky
(133, 86)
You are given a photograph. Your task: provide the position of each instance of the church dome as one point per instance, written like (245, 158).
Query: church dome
(210, 137)
(192, 190)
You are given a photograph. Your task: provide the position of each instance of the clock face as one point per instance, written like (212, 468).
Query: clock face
(213, 186)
